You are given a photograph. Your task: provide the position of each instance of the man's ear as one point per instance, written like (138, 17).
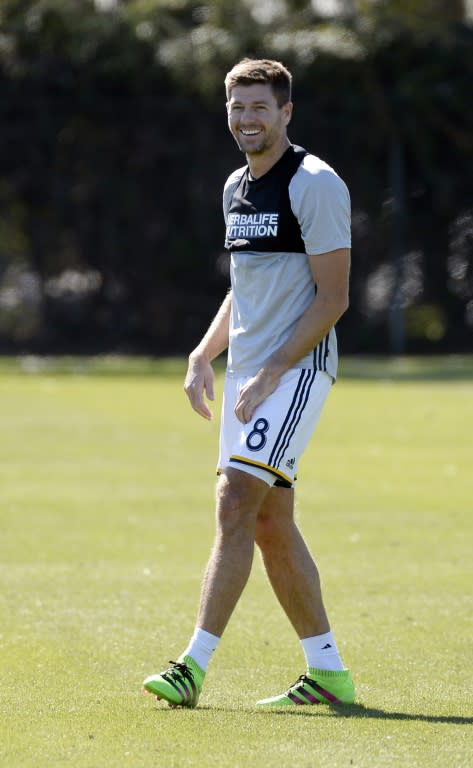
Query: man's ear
(287, 112)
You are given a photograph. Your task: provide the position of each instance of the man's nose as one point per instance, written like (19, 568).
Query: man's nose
(248, 113)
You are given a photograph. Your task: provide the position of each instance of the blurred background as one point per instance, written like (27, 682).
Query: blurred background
(114, 150)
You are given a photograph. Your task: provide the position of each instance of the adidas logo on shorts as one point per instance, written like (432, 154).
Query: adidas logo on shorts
(290, 463)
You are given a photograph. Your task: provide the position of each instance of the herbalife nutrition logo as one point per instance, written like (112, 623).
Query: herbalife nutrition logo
(247, 225)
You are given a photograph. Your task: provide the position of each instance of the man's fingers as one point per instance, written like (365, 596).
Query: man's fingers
(202, 410)
(200, 407)
(243, 409)
(194, 390)
(209, 389)
(198, 404)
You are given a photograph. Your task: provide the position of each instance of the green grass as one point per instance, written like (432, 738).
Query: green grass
(106, 522)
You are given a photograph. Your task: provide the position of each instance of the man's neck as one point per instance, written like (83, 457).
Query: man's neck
(261, 164)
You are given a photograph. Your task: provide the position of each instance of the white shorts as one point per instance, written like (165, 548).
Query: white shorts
(271, 445)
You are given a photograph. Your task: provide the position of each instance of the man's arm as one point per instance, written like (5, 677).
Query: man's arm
(331, 272)
(200, 375)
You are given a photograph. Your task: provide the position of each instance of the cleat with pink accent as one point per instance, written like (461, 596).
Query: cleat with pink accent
(318, 686)
(180, 685)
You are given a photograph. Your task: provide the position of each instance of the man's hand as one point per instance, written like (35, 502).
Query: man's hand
(255, 391)
(199, 380)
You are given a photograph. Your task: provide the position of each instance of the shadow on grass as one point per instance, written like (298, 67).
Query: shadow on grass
(360, 711)
(346, 711)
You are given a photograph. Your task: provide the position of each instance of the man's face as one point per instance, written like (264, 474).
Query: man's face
(255, 119)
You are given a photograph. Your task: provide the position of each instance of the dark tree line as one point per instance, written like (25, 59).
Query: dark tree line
(113, 152)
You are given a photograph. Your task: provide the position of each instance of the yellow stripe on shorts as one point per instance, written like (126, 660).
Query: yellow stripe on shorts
(251, 462)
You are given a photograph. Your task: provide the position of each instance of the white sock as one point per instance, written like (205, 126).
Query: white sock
(321, 652)
(201, 647)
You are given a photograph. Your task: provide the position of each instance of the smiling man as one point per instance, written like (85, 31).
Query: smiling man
(287, 216)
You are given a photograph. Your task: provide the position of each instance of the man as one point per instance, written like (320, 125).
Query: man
(287, 215)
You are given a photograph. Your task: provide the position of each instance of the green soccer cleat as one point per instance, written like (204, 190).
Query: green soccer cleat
(180, 685)
(318, 686)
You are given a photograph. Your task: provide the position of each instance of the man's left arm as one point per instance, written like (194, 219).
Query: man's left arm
(331, 273)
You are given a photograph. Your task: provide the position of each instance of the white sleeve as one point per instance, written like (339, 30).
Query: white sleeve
(321, 203)
(229, 188)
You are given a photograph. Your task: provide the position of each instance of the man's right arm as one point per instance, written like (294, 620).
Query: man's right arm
(200, 376)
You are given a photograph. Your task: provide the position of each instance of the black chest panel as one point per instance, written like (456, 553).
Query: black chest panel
(259, 217)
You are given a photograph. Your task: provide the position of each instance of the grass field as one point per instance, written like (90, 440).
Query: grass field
(106, 521)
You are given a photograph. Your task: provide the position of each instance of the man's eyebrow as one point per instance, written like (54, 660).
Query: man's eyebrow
(257, 102)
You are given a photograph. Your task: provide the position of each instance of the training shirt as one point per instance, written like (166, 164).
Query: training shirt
(299, 207)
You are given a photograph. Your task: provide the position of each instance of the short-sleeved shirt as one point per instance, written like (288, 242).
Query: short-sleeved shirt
(303, 206)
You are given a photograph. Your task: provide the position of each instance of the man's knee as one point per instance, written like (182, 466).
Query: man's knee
(239, 499)
(269, 531)
(275, 521)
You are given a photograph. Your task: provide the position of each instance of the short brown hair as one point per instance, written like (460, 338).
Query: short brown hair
(251, 71)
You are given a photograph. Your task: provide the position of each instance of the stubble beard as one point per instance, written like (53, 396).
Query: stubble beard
(268, 140)
(256, 150)
(253, 152)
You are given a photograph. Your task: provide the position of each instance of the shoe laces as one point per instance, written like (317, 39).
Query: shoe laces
(179, 669)
(300, 680)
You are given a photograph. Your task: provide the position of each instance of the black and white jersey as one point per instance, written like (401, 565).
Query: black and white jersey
(299, 207)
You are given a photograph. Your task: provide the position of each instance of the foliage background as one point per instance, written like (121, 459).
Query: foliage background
(113, 153)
